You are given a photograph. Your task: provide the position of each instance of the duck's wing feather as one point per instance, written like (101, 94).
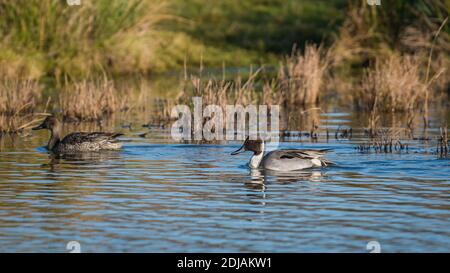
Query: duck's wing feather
(81, 137)
(303, 154)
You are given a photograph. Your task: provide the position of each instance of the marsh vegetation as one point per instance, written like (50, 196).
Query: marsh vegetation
(71, 60)
(370, 83)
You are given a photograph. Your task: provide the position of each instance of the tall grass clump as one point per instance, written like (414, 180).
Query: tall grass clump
(220, 92)
(49, 37)
(18, 96)
(393, 85)
(16, 124)
(395, 27)
(18, 100)
(301, 76)
(429, 28)
(212, 91)
(89, 101)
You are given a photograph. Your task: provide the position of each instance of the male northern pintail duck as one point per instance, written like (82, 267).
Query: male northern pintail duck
(77, 142)
(282, 160)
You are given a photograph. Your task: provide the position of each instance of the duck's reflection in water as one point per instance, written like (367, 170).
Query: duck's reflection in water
(81, 159)
(260, 179)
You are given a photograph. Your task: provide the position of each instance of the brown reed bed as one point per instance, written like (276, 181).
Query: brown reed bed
(392, 85)
(18, 96)
(213, 91)
(299, 81)
(101, 99)
(18, 123)
(301, 76)
(89, 101)
(220, 92)
(18, 101)
(399, 71)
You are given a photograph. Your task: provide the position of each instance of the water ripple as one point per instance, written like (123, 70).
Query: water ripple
(176, 197)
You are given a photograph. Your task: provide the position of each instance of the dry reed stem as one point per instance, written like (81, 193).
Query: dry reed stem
(442, 146)
(428, 72)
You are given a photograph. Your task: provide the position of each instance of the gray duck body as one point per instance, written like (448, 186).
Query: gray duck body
(282, 160)
(86, 142)
(290, 160)
(79, 141)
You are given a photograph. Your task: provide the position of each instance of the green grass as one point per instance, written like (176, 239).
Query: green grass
(51, 38)
(241, 33)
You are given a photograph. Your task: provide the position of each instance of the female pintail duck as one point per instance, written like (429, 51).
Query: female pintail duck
(282, 160)
(77, 142)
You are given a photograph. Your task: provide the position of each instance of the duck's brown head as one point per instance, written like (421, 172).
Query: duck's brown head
(256, 146)
(49, 123)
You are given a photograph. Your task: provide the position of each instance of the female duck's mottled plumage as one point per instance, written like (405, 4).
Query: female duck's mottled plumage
(78, 142)
(282, 160)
